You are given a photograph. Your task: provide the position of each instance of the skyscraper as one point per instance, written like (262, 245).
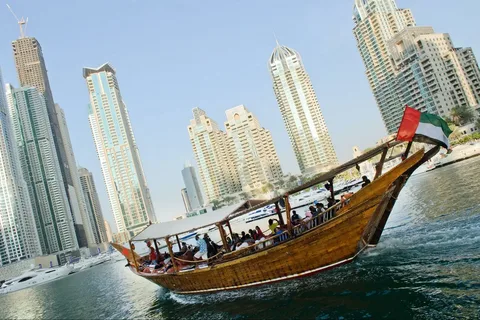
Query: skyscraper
(18, 233)
(186, 201)
(432, 75)
(109, 231)
(41, 170)
(93, 205)
(301, 111)
(214, 157)
(82, 222)
(376, 22)
(117, 151)
(255, 156)
(412, 65)
(192, 188)
(32, 72)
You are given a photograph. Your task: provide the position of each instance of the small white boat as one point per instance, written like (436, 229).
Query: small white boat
(35, 277)
(259, 214)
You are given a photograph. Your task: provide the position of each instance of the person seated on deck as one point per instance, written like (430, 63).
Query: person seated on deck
(249, 240)
(152, 255)
(202, 253)
(253, 234)
(259, 233)
(295, 218)
(272, 225)
(184, 248)
(278, 232)
(320, 208)
(212, 247)
(243, 236)
(366, 181)
(229, 242)
(345, 197)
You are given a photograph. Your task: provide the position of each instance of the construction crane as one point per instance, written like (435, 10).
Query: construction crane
(21, 23)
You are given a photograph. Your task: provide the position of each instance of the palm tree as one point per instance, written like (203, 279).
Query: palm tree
(229, 200)
(244, 195)
(462, 115)
(477, 124)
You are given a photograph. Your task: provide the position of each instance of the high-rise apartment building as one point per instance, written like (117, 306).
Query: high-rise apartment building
(192, 188)
(18, 233)
(94, 209)
(108, 229)
(41, 170)
(186, 201)
(117, 151)
(376, 22)
(255, 156)
(32, 72)
(431, 74)
(214, 157)
(81, 220)
(409, 65)
(301, 112)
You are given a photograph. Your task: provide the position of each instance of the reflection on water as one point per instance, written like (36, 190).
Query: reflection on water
(426, 265)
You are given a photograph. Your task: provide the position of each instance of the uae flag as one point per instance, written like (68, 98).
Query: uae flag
(423, 127)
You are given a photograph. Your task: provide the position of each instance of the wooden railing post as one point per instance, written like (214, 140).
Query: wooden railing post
(332, 191)
(379, 166)
(288, 214)
(223, 236)
(133, 255)
(407, 151)
(170, 251)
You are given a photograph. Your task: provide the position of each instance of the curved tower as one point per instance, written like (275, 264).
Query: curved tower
(301, 111)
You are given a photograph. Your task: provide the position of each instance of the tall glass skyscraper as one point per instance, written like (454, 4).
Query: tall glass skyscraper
(117, 151)
(93, 205)
(32, 72)
(376, 22)
(18, 233)
(301, 111)
(192, 188)
(41, 170)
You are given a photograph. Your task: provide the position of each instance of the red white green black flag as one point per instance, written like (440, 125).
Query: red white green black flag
(423, 127)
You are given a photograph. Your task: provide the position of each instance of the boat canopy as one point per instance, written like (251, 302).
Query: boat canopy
(170, 228)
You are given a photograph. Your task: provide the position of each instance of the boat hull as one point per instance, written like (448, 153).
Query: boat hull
(354, 228)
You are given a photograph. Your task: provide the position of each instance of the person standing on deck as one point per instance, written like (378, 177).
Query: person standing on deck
(366, 181)
(202, 253)
(272, 225)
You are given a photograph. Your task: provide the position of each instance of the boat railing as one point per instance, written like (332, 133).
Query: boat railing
(199, 261)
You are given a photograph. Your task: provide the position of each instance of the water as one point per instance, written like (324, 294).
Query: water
(426, 266)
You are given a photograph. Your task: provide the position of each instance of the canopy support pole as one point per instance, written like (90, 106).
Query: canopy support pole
(133, 255)
(222, 235)
(379, 166)
(279, 213)
(288, 214)
(178, 242)
(230, 229)
(156, 248)
(170, 251)
(407, 151)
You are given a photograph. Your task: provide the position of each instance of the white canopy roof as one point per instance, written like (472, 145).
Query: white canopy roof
(160, 230)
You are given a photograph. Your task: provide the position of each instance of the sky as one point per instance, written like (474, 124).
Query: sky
(172, 56)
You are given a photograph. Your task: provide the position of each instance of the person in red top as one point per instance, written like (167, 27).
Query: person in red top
(153, 254)
(260, 234)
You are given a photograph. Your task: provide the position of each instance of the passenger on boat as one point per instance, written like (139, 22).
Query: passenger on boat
(295, 218)
(345, 197)
(278, 232)
(259, 232)
(184, 248)
(243, 236)
(202, 253)
(272, 225)
(212, 247)
(153, 255)
(249, 240)
(229, 242)
(366, 181)
(320, 208)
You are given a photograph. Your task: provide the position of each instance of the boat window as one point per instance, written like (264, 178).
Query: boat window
(50, 271)
(25, 279)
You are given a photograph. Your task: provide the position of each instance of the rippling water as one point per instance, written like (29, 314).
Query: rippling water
(427, 265)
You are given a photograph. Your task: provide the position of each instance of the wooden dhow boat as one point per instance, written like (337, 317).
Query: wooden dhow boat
(330, 239)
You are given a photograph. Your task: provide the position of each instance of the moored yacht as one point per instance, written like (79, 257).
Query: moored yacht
(34, 277)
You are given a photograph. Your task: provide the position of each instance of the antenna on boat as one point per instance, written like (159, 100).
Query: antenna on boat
(21, 22)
